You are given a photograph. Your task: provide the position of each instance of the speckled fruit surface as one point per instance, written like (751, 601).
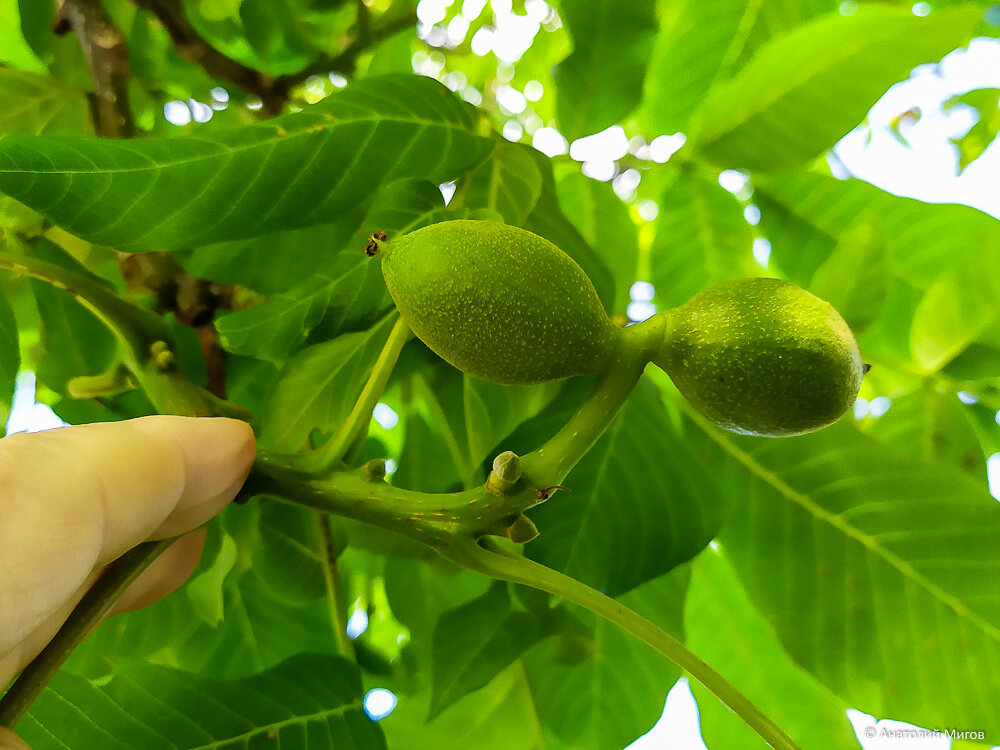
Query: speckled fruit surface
(762, 357)
(498, 302)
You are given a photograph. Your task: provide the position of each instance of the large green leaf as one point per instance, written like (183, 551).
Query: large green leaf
(311, 700)
(805, 214)
(703, 44)
(476, 641)
(317, 389)
(601, 81)
(701, 238)
(606, 692)
(643, 500)
(296, 170)
(804, 90)
(876, 572)
(725, 630)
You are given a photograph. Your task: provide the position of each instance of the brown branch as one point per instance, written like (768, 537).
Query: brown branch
(106, 51)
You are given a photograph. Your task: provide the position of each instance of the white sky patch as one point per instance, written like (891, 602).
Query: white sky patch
(927, 168)
(967, 398)
(647, 210)
(752, 214)
(993, 474)
(447, 191)
(626, 183)
(608, 145)
(678, 726)
(599, 169)
(642, 291)
(385, 415)
(533, 91)
(761, 251)
(177, 112)
(26, 415)
(379, 703)
(663, 147)
(550, 142)
(357, 623)
(511, 100)
(513, 130)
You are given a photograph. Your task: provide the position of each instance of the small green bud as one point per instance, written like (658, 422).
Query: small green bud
(506, 473)
(522, 529)
(375, 468)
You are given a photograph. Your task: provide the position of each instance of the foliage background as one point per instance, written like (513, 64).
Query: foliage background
(855, 567)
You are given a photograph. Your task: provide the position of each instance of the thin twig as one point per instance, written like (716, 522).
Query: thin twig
(106, 50)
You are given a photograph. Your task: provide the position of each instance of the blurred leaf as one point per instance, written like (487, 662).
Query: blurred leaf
(805, 89)
(293, 171)
(10, 359)
(643, 500)
(725, 630)
(615, 695)
(207, 589)
(476, 641)
(14, 50)
(601, 81)
(39, 104)
(603, 219)
(311, 699)
(854, 277)
(426, 463)
(885, 564)
(986, 103)
(509, 182)
(275, 30)
(318, 386)
(961, 305)
(701, 238)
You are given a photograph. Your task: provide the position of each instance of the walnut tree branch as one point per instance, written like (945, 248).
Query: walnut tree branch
(106, 52)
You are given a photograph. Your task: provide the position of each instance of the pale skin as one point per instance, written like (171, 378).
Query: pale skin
(74, 499)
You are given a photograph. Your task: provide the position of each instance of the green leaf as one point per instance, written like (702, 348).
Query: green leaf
(603, 220)
(509, 182)
(14, 50)
(10, 359)
(700, 45)
(476, 641)
(206, 590)
(39, 104)
(701, 238)
(804, 90)
(986, 104)
(293, 171)
(959, 307)
(310, 700)
(644, 499)
(601, 81)
(804, 215)
(853, 277)
(492, 412)
(876, 572)
(691, 51)
(725, 630)
(933, 426)
(318, 387)
(616, 694)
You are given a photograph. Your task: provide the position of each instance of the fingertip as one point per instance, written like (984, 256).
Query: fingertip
(218, 453)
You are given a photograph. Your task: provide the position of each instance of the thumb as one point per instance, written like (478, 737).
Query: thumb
(10, 741)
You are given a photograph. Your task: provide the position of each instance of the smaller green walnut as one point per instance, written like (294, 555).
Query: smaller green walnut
(497, 301)
(762, 357)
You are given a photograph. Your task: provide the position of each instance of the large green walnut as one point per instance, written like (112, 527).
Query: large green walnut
(762, 357)
(498, 301)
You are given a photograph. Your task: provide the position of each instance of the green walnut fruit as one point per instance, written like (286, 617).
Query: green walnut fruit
(497, 301)
(762, 357)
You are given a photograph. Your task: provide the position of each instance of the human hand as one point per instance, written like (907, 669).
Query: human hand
(74, 499)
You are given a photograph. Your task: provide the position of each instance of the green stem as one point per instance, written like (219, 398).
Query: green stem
(334, 585)
(84, 618)
(332, 452)
(550, 464)
(490, 559)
